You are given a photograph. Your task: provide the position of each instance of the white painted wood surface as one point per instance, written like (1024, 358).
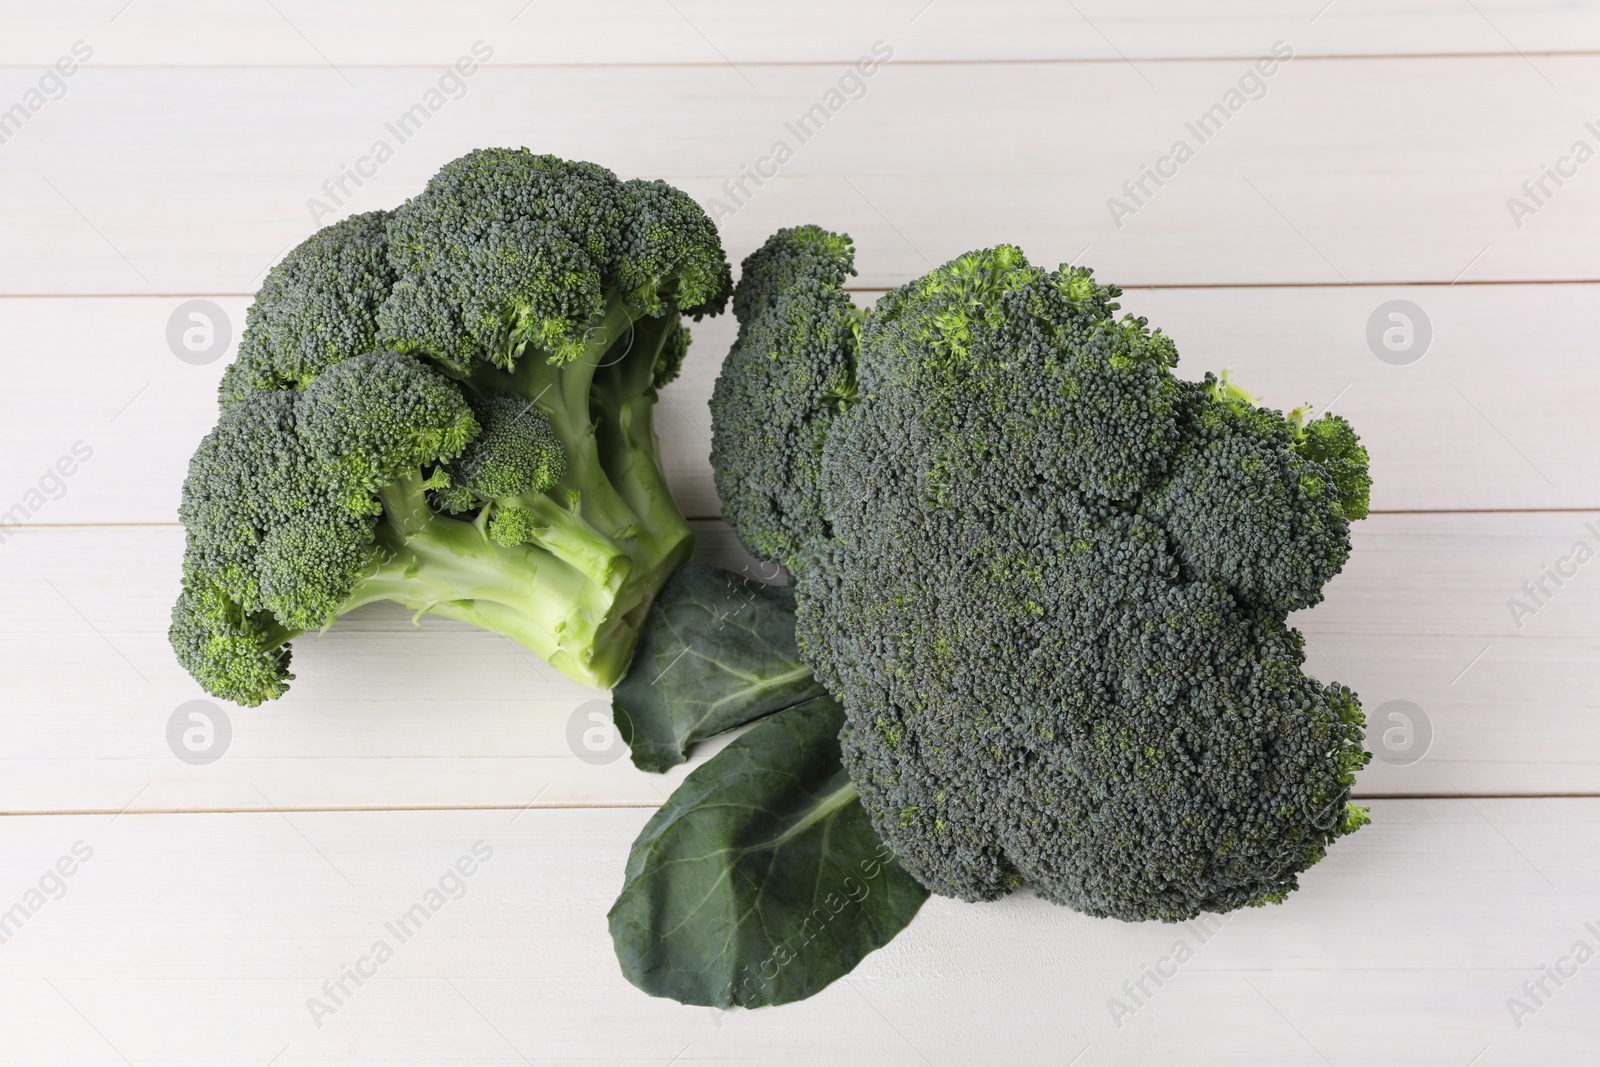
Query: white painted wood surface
(1376, 166)
(1369, 170)
(200, 939)
(1419, 614)
(616, 32)
(1488, 419)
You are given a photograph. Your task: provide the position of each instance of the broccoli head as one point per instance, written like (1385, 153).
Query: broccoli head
(1049, 582)
(506, 250)
(450, 405)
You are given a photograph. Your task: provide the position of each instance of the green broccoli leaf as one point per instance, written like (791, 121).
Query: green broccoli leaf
(718, 652)
(761, 880)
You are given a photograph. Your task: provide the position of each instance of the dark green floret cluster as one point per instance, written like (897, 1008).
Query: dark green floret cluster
(1048, 580)
(789, 374)
(450, 406)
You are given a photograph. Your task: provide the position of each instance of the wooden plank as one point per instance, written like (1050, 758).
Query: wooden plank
(1456, 430)
(1495, 402)
(385, 715)
(113, 190)
(202, 938)
(192, 33)
(180, 162)
(481, 721)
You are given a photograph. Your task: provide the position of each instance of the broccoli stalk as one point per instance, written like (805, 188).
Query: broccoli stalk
(435, 564)
(610, 516)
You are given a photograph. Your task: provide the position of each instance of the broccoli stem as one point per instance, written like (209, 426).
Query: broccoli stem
(405, 505)
(577, 614)
(622, 402)
(566, 536)
(561, 391)
(624, 393)
(608, 535)
(611, 516)
(453, 568)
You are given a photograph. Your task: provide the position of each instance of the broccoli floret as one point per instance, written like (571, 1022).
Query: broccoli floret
(1251, 499)
(316, 308)
(1331, 442)
(449, 405)
(669, 364)
(508, 249)
(786, 379)
(1049, 582)
(515, 452)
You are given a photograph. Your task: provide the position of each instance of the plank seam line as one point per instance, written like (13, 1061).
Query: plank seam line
(1125, 286)
(720, 519)
(1029, 61)
(1437, 283)
(335, 809)
(640, 805)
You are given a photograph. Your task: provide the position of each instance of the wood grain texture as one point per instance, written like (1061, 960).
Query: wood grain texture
(159, 180)
(181, 33)
(1377, 165)
(201, 938)
(1458, 430)
(383, 714)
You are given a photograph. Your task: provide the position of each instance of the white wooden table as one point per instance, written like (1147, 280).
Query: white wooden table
(208, 904)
